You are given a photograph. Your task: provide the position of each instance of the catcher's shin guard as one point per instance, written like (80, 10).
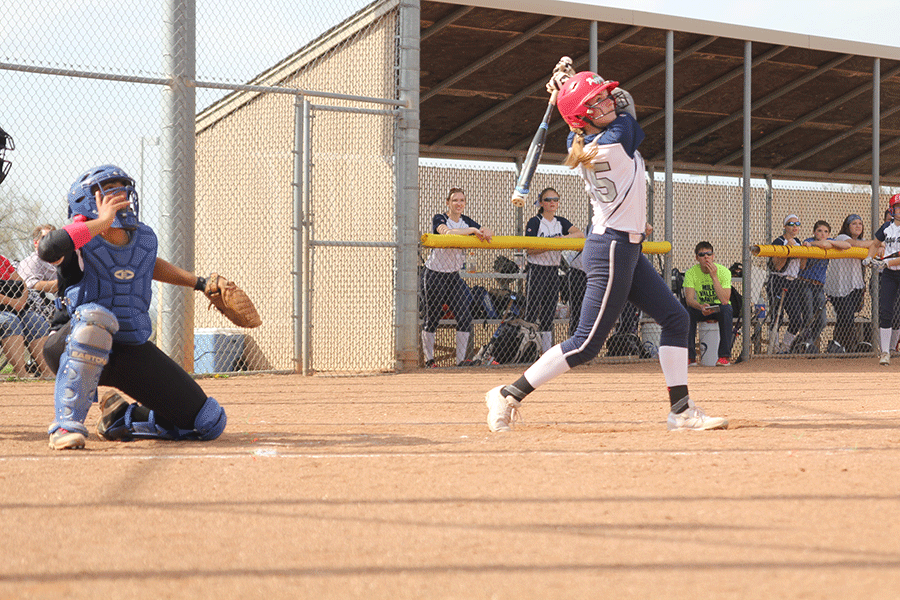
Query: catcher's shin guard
(87, 352)
(136, 422)
(210, 421)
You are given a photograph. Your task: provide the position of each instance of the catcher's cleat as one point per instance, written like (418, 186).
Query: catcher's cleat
(111, 425)
(502, 410)
(62, 439)
(694, 419)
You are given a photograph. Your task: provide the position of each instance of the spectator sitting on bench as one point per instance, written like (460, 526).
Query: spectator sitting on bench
(708, 298)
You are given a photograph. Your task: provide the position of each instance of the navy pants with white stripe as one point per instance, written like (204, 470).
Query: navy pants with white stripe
(617, 272)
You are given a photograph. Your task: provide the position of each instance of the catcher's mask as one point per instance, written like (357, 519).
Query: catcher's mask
(578, 89)
(82, 201)
(6, 143)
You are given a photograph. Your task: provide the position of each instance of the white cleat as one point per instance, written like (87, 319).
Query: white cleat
(885, 358)
(694, 419)
(502, 410)
(62, 439)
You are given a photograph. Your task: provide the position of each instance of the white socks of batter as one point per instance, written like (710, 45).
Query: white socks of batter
(674, 363)
(551, 364)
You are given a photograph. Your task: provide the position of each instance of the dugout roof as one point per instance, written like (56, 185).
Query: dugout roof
(483, 71)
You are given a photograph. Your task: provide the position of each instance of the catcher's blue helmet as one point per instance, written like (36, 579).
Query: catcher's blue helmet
(82, 201)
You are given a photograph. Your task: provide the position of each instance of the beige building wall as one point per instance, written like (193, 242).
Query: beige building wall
(244, 211)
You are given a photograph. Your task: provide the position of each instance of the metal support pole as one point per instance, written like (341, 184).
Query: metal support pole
(306, 218)
(406, 214)
(670, 144)
(297, 181)
(876, 189)
(746, 259)
(176, 232)
(769, 195)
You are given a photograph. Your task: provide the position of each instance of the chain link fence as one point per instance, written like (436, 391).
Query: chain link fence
(74, 101)
(493, 294)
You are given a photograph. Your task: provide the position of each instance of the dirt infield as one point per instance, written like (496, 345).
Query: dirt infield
(392, 487)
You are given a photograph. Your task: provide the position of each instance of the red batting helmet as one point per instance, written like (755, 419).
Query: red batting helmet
(895, 199)
(577, 90)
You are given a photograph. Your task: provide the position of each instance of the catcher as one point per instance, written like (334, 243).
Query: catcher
(106, 259)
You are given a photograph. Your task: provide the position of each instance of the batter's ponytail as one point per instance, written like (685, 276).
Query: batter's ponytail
(577, 155)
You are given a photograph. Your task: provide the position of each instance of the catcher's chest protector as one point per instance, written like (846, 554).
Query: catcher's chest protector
(119, 278)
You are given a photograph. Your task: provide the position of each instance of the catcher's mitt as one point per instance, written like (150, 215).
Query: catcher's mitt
(231, 301)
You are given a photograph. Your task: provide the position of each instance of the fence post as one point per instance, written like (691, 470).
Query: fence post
(176, 236)
(406, 347)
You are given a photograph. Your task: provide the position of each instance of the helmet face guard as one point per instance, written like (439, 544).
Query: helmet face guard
(82, 200)
(6, 143)
(578, 89)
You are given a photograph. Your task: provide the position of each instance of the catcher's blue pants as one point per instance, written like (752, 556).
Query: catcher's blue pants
(617, 272)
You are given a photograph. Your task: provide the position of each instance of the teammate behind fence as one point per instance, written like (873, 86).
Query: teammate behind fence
(106, 259)
(783, 288)
(441, 281)
(845, 286)
(811, 285)
(889, 280)
(603, 147)
(543, 282)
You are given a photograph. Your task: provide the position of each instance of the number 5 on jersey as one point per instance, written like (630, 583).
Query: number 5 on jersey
(604, 186)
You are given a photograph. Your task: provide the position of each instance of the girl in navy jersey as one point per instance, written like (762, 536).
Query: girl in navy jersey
(442, 283)
(889, 280)
(542, 286)
(603, 148)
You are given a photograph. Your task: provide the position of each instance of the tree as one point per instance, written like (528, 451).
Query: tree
(18, 218)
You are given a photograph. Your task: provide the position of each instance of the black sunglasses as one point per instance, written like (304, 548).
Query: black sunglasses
(792, 224)
(707, 253)
(550, 199)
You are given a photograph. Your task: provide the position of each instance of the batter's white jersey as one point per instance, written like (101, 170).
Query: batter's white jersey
(615, 184)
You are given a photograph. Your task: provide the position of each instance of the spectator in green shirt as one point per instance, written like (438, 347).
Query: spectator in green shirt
(707, 291)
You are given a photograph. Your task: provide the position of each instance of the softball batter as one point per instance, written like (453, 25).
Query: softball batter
(603, 147)
(542, 285)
